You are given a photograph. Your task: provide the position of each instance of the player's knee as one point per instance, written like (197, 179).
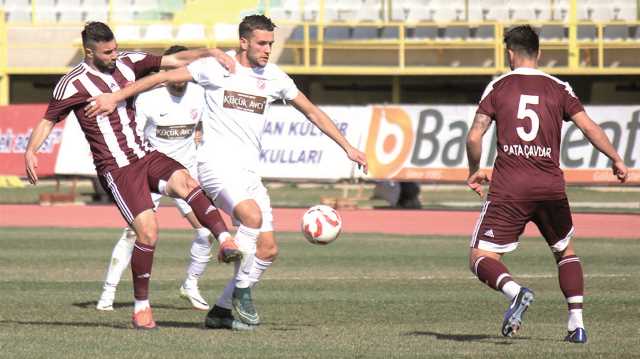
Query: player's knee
(251, 219)
(268, 251)
(191, 184)
(148, 235)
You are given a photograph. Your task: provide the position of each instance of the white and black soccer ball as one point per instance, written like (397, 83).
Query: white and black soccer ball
(321, 224)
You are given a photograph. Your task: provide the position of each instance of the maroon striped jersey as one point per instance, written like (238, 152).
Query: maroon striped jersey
(528, 107)
(113, 139)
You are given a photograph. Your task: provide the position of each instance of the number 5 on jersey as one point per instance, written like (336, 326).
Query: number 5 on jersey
(524, 112)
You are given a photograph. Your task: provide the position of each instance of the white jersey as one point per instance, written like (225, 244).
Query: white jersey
(235, 110)
(169, 122)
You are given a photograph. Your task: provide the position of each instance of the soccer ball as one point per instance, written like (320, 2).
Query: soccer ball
(321, 224)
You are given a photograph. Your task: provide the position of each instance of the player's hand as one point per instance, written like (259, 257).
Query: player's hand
(101, 105)
(31, 163)
(226, 61)
(358, 157)
(476, 181)
(620, 171)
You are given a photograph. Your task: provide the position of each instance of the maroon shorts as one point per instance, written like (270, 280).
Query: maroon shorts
(502, 222)
(130, 186)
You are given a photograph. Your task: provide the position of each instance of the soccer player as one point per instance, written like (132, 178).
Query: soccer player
(528, 107)
(169, 116)
(128, 167)
(233, 121)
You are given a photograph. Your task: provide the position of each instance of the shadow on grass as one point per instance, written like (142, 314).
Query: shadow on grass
(116, 305)
(467, 337)
(123, 325)
(68, 324)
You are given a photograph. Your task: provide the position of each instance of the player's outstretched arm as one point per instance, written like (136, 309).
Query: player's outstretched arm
(477, 178)
(39, 134)
(184, 58)
(599, 139)
(324, 123)
(106, 103)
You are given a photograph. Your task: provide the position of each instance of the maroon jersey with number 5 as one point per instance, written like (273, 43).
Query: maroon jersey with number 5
(528, 107)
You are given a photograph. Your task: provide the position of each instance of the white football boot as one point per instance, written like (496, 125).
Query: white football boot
(192, 293)
(105, 303)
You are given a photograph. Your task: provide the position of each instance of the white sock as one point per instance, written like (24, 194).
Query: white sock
(257, 269)
(575, 319)
(200, 255)
(511, 289)
(139, 305)
(225, 299)
(120, 259)
(246, 239)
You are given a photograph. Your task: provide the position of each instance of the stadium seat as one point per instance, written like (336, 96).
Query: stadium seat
(71, 15)
(399, 13)
(447, 10)
(127, 32)
(298, 33)
(484, 33)
(17, 4)
(456, 32)
(17, 15)
(93, 14)
(142, 5)
(587, 32)
(225, 31)
(601, 12)
(521, 13)
(424, 32)
(45, 4)
(191, 32)
(98, 4)
(119, 15)
(337, 33)
(420, 14)
(158, 32)
(552, 33)
(66, 4)
(365, 32)
(389, 32)
(368, 14)
(636, 34)
(46, 14)
(616, 32)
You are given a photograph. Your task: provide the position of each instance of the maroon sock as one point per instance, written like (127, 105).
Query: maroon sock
(206, 212)
(571, 280)
(141, 263)
(492, 272)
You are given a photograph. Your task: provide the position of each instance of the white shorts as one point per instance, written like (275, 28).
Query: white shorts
(228, 186)
(181, 204)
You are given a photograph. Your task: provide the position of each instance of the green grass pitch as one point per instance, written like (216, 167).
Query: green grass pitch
(364, 296)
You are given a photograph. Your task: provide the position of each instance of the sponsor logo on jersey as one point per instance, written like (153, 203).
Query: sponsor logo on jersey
(489, 233)
(244, 102)
(178, 132)
(261, 84)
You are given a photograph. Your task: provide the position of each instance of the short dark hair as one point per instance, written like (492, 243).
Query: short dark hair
(523, 40)
(96, 31)
(255, 22)
(174, 49)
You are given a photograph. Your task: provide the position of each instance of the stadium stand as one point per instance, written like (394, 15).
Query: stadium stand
(393, 37)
